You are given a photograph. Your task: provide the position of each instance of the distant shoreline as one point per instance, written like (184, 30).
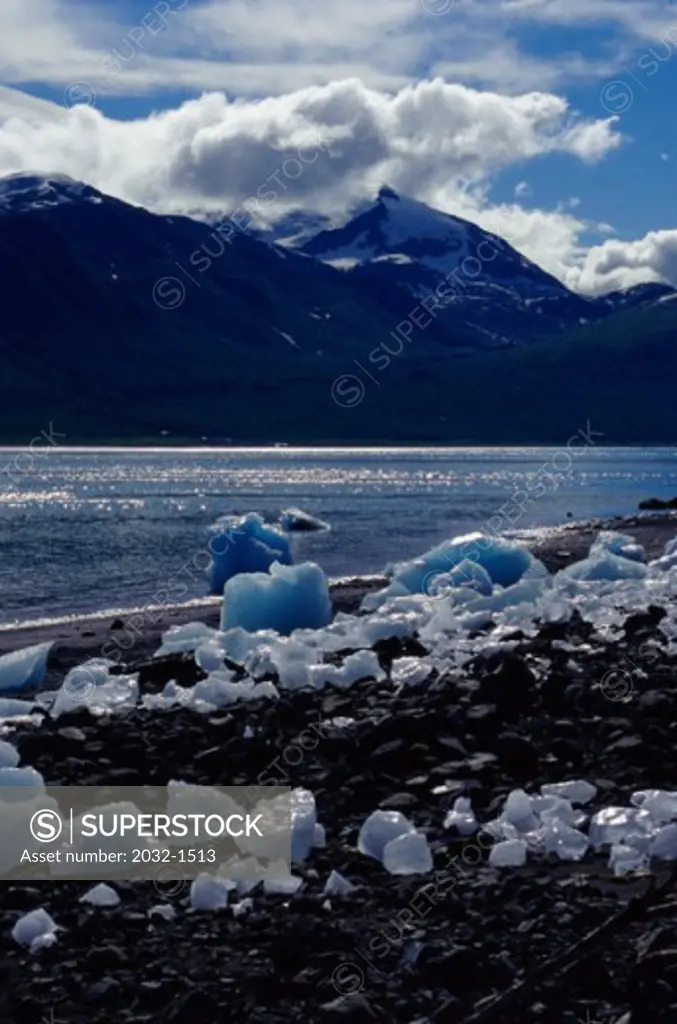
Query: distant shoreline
(152, 444)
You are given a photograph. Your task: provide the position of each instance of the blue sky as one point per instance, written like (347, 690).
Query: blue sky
(550, 121)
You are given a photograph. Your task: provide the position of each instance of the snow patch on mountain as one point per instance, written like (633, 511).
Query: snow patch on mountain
(400, 229)
(22, 192)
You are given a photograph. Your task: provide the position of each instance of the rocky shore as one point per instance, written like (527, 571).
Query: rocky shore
(85, 637)
(466, 943)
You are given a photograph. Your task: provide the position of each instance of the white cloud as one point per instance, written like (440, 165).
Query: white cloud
(551, 238)
(251, 47)
(211, 153)
(14, 103)
(640, 17)
(504, 66)
(619, 264)
(259, 47)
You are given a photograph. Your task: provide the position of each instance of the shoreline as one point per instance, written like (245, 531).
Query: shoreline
(81, 637)
(78, 638)
(337, 445)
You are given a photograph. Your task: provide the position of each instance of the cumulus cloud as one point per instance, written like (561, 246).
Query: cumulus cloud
(619, 264)
(211, 153)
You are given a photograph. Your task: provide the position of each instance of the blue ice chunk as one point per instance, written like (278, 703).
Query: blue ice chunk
(289, 597)
(621, 544)
(466, 574)
(24, 669)
(604, 566)
(504, 560)
(244, 544)
(380, 828)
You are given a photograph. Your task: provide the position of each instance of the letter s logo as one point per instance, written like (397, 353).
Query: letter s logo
(46, 826)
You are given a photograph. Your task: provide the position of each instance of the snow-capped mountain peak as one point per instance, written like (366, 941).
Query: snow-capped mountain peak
(395, 241)
(29, 191)
(419, 247)
(396, 225)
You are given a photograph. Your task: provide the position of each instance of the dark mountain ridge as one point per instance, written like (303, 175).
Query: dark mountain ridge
(119, 324)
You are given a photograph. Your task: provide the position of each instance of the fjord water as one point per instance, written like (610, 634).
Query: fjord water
(87, 530)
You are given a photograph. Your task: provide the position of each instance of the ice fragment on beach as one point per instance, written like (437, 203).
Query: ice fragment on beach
(568, 843)
(171, 696)
(621, 544)
(380, 828)
(303, 822)
(466, 574)
(664, 843)
(410, 671)
(239, 643)
(184, 639)
(461, 817)
(614, 825)
(577, 791)
(391, 623)
(555, 809)
(101, 895)
(603, 565)
(9, 755)
(283, 885)
(409, 854)
(91, 686)
(361, 665)
(218, 690)
(288, 658)
(663, 564)
(510, 853)
(526, 592)
(296, 520)
(337, 885)
(21, 777)
(371, 602)
(505, 561)
(43, 942)
(14, 708)
(24, 669)
(661, 804)
(242, 908)
(319, 837)
(499, 829)
(623, 859)
(32, 927)
(209, 656)
(244, 544)
(208, 893)
(518, 811)
(286, 598)
(164, 910)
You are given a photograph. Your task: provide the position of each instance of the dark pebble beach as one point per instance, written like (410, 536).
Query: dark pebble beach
(551, 942)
